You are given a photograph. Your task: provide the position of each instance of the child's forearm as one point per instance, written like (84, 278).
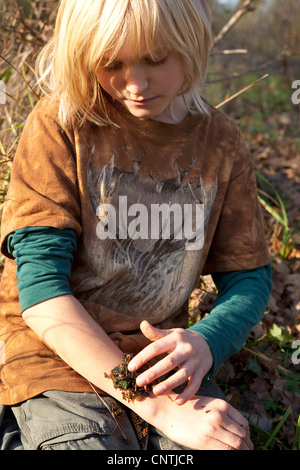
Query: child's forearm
(72, 333)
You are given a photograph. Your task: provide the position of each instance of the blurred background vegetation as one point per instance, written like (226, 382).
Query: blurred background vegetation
(252, 39)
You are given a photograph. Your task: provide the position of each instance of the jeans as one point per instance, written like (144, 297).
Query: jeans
(57, 420)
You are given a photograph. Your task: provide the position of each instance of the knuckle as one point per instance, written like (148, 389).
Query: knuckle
(206, 442)
(179, 333)
(170, 362)
(223, 406)
(183, 373)
(245, 425)
(218, 416)
(150, 376)
(226, 447)
(211, 428)
(238, 442)
(188, 348)
(154, 348)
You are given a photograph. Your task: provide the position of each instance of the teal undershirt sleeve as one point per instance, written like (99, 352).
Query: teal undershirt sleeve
(43, 256)
(241, 302)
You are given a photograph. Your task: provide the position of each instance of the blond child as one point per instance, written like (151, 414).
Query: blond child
(126, 187)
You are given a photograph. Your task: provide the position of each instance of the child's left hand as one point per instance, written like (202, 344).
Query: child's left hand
(186, 350)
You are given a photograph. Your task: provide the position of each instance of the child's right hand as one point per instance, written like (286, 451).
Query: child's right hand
(188, 359)
(205, 423)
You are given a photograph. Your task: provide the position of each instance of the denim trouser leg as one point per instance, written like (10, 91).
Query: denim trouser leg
(57, 420)
(9, 430)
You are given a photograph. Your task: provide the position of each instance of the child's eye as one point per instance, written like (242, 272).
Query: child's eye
(156, 63)
(113, 67)
(116, 65)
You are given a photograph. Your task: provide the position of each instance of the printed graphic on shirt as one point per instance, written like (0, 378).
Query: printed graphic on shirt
(153, 233)
(171, 216)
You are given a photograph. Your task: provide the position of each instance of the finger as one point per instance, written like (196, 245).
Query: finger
(236, 416)
(243, 433)
(191, 389)
(228, 440)
(221, 444)
(160, 346)
(238, 426)
(173, 382)
(236, 442)
(222, 432)
(226, 423)
(151, 332)
(159, 369)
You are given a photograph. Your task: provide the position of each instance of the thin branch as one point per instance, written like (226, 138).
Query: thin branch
(245, 8)
(242, 74)
(241, 91)
(26, 25)
(230, 51)
(27, 83)
(265, 65)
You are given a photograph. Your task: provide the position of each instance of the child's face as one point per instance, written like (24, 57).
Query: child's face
(145, 88)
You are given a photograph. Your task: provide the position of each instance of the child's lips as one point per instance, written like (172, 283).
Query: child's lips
(142, 102)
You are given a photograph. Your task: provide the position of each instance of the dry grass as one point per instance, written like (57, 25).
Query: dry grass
(25, 27)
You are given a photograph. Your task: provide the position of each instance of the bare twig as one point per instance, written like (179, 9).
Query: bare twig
(26, 25)
(241, 91)
(265, 358)
(21, 75)
(247, 6)
(235, 76)
(230, 51)
(110, 411)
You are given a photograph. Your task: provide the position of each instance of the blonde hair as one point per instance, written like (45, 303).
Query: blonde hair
(86, 30)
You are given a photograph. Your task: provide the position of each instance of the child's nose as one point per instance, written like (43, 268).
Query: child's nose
(136, 80)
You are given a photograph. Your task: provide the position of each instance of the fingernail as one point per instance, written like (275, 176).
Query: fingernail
(179, 401)
(131, 366)
(140, 382)
(158, 390)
